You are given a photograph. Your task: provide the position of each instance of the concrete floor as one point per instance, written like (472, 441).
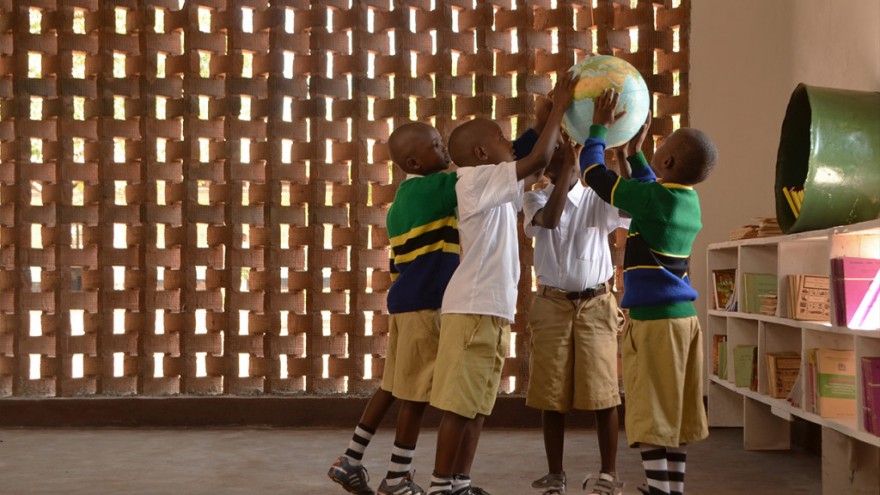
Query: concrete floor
(294, 461)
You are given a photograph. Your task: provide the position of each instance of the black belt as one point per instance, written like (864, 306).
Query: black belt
(587, 293)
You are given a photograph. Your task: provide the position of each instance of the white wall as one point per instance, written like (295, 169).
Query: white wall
(746, 58)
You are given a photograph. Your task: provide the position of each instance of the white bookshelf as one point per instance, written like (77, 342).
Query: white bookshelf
(850, 454)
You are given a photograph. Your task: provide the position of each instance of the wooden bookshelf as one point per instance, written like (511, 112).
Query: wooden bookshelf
(850, 454)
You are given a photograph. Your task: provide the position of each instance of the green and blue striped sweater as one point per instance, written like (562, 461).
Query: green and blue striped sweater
(665, 222)
(425, 250)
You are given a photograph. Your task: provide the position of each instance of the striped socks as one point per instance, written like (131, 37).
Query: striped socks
(460, 483)
(656, 470)
(676, 459)
(401, 462)
(359, 441)
(440, 485)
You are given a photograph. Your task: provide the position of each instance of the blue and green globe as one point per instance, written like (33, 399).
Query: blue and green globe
(597, 74)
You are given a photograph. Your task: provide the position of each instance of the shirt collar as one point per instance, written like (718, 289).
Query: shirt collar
(413, 176)
(672, 185)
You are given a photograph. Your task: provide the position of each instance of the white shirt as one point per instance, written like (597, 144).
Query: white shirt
(575, 255)
(485, 282)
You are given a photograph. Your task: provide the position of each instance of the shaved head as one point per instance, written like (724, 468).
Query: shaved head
(467, 137)
(404, 142)
(696, 153)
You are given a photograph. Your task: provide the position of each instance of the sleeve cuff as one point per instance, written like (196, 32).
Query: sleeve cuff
(598, 131)
(637, 161)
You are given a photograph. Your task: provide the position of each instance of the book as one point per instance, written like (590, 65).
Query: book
(717, 340)
(856, 286)
(744, 360)
(871, 394)
(754, 286)
(722, 360)
(808, 298)
(835, 383)
(783, 369)
(725, 284)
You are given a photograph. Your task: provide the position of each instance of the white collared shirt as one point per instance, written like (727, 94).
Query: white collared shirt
(575, 255)
(485, 283)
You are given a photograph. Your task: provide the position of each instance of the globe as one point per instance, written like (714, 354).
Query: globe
(597, 74)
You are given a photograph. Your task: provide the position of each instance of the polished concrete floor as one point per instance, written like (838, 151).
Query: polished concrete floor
(295, 461)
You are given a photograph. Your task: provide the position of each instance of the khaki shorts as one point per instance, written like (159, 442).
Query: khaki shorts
(469, 362)
(413, 338)
(573, 362)
(663, 380)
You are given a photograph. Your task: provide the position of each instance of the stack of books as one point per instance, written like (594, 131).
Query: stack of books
(782, 372)
(871, 393)
(768, 227)
(832, 383)
(808, 298)
(762, 227)
(769, 301)
(855, 285)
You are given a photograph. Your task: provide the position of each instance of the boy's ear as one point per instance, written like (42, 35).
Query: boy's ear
(480, 153)
(412, 163)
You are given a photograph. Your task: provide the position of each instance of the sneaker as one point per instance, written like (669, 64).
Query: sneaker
(471, 490)
(352, 478)
(550, 480)
(406, 487)
(604, 484)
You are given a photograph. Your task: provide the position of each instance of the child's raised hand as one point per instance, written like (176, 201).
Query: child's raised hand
(564, 90)
(605, 108)
(635, 144)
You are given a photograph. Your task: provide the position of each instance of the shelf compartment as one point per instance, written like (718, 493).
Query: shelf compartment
(775, 338)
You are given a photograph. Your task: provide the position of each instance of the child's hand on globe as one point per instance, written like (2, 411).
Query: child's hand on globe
(564, 91)
(635, 144)
(605, 108)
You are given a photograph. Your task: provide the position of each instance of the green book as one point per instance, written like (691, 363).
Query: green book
(756, 285)
(744, 364)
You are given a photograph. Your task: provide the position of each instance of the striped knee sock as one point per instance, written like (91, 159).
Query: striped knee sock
(440, 485)
(358, 444)
(460, 483)
(676, 458)
(401, 462)
(654, 460)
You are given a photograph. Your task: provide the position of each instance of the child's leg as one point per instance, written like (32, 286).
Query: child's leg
(467, 450)
(553, 424)
(656, 468)
(409, 423)
(449, 438)
(376, 409)
(607, 431)
(676, 457)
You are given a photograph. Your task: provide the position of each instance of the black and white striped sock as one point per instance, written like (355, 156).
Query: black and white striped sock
(358, 444)
(676, 458)
(440, 485)
(401, 462)
(654, 461)
(460, 483)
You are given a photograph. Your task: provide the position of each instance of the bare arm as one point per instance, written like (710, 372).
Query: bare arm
(548, 216)
(543, 150)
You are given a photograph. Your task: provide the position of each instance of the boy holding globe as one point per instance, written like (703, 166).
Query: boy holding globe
(480, 301)
(662, 344)
(574, 318)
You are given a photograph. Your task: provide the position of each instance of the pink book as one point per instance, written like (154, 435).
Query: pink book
(859, 281)
(871, 394)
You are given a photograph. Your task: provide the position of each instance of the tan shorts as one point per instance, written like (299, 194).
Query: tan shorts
(413, 338)
(663, 380)
(573, 362)
(469, 362)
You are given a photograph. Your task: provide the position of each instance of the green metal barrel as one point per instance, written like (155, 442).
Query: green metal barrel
(829, 155)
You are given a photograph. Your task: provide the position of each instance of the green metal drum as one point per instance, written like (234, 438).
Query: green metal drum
(830, 148)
